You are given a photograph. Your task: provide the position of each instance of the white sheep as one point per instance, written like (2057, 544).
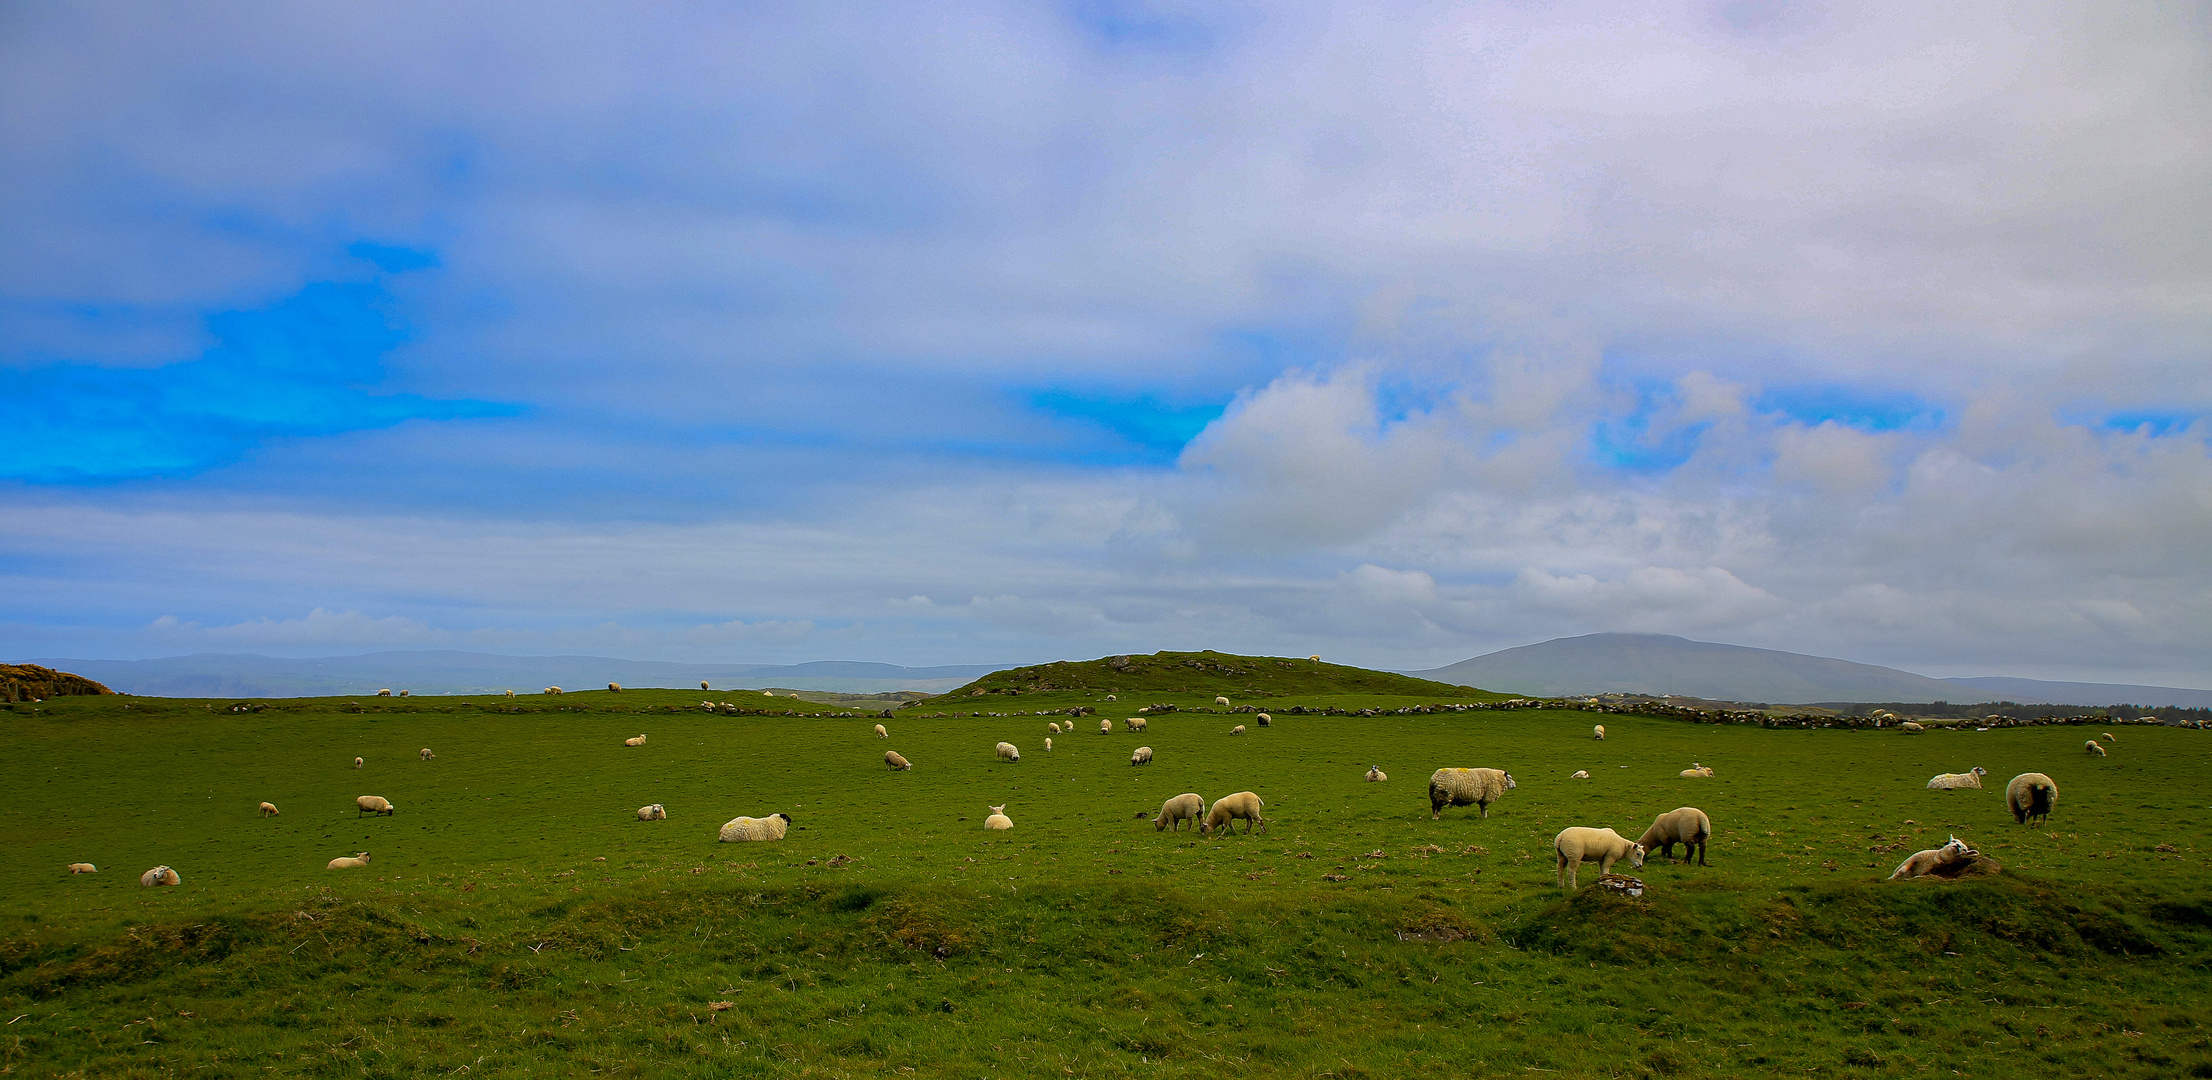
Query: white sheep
(1696, 771)
(1598, 732)
(1136, 723)
(384, 692)
(880, 733)
(2107, 736)
(1264, 719)
(895, 762)
(1009, 752)
(2031, 795)
(1222, 701)
(703, 685)
(83, 868)
(510, 693)
(1174, 812)
(639, 741)
(1953, 781)
(552, 690)
(268, 809)
(160, 875)
(374, 804)
(403, 693)
(1315, 659)
(356, 763)
(1141, 756)
(655, 812)
(998, 819)
(2093, 748)
(1105, 726)
(614, 688)
(1375, 775)
(426, 754)
(1237, 730)
(768, 693)
(740, 829)
(1113, 697)
(1048, 744)
(355, 861)
(1228, 808)
(1934, 860)
(1580, 774)
(1578, 844)
(1462, 787)
(1910, 726)
(1053, 726)
(1685, 825)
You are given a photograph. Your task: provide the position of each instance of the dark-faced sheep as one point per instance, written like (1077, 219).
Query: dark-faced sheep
(2030, 797)
(1685, 825)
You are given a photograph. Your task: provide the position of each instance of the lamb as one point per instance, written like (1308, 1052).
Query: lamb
(998, 819)
(897, 763)
(1461, 787)
(1222, 701)
(83, 868)
(1008, 752)
(1141, 756)
(1598, 732)
(1685, 825)
(1185, 807)
(639, 741)
(2093, 748)
(1237, 730)
(1696, 771)
(426, 754)
(354, 862)
(1048, 744)
(1135, 723)
(1264, 719)
(268, 809)
(384, 692)
(2031, 795)
(1577, 844)
(1952, 781)
(880, 733)
(160, 875)
(1105, 726)
(1375, 775)
(740, 829)
(1934, 860)
(655, 812)
(374, 804)
(1228, 808)
(356, 763)
(1580, 774)
(614, 688)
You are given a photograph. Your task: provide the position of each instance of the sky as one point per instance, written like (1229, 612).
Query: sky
(978, 333)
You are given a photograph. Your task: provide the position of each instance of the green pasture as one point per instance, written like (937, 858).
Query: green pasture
(518, 920)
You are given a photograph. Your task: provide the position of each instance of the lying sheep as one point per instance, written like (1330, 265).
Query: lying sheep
(639, 741)
(1113, 697)
(1174, 812)
(1264, 719)
(1910, 726)
(614, 688)
(1222, 701)
(1934, 860)
(160, 875)
(1462, 787)
(1228, 808)
(1237, 730)
(2031, 795)
(1136, 723)
(1375, 775)
(880, 733)
(1048, 744)
(896, 762)
(2107, 736)
(1105, 726)
(268, 809)
(83, 868)
(1696, 771)
(1952, 781)
(1009, 752)
(1580, 774)
(1598, 732)
(384, 693)
(1141, 756)
(740, 829)
(655, 812)
(998, 819)
(426, 754)
(1577, 844)
(1685, 825)
(2093, 748)
(356, 763)
(374, 804)
(355, 861)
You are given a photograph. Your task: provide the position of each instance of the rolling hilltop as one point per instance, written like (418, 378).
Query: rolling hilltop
(1206, 672)
(1665, 664)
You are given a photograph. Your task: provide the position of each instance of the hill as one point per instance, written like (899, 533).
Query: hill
(1205, 672)
(29, 682)
(2089, 694)
(1665, 664)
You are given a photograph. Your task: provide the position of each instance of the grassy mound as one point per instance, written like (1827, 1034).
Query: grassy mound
(1206, 673)
(30, 682)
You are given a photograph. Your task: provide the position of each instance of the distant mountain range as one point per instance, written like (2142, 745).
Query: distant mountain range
(446, 672)
(1665, 664)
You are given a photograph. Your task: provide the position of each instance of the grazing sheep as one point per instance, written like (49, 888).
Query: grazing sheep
(1910, 726)
(268, 809)
(1580, 774)
(1053, 726)
(1135, 723)
(1577, 844)
(1008, 752)
(1141, 756)
(1375, 775)
(1105, 726)
(552, 690)
(614, 688)
(1934, 860)
(1461, 787)
(1696, 771)
(639, 741)
(356, 763)
(1952, 781)
(83, 868)
(1315, 659)
(2031, 795)
(1222, 701)
(426, 754)
(1237, 730)
(160, 875)
(880, 733)
(1048, 744)
(374, 804)
(384, 693)
(2107, 736)
(510, 693)
(403, 693)
(897, 763)
(1598, 732)
(1174, 812)
(739, 829)
(1685, 825)
(998, 819)
(655, 812)
(1228, 808)
(703, 685)
(2093, 748)
(1264, 719)
(355, 861)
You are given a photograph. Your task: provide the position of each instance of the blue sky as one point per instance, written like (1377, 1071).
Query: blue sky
(1397, 333)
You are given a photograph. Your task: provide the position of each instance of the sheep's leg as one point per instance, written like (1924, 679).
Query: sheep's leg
(1700, 854)
(1559, 868)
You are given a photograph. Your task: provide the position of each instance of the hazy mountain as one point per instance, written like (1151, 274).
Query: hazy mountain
(446, 672)
(1665, 664)
(2089, 693)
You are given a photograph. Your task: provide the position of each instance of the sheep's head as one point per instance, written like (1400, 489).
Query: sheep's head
(786, 817)
(1509, 784)
(1636, 856)
(1979, 771)
(999, 809)
(1957, 849)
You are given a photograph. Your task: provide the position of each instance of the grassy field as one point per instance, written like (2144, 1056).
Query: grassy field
(517, 920)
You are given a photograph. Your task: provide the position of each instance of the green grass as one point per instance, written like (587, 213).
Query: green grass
(486, 933)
